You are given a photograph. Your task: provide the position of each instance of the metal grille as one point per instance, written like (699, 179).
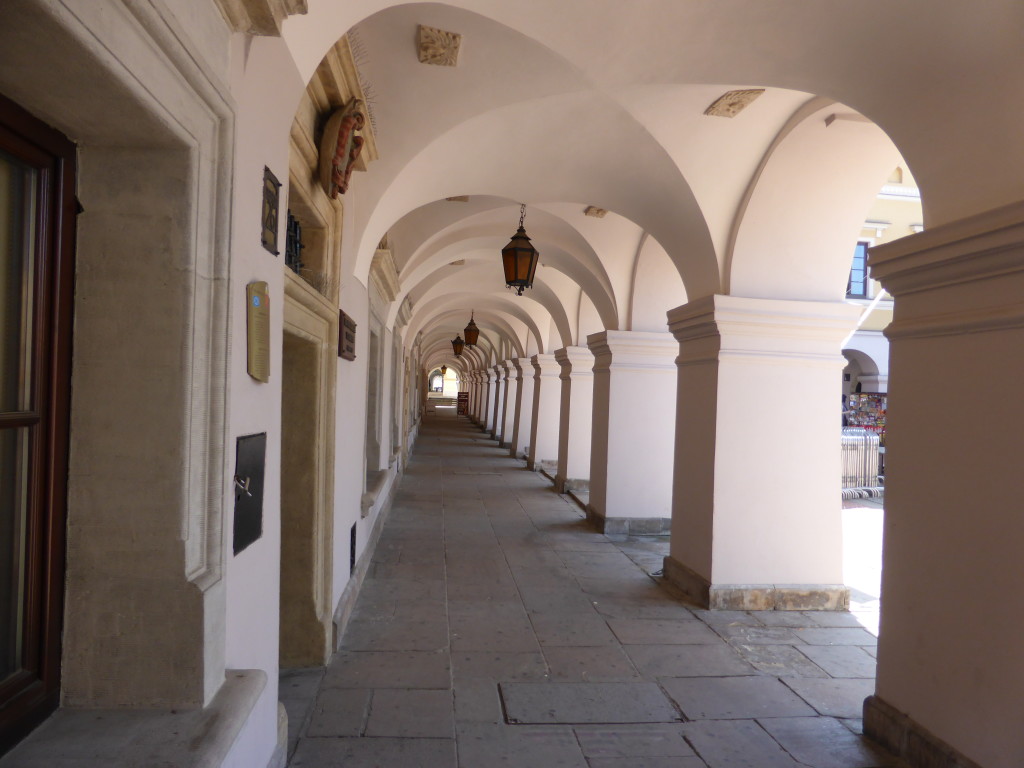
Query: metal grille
(860, 458)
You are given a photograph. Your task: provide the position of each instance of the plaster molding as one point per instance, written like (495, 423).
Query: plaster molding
(545, 365)
(384, 274)
(633, 350)
(719, 327)
(575, 362)
(259, 17)
(437, 46)
(982, 247)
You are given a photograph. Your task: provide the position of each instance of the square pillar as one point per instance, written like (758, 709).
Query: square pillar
(523, 408)
(494, 427)
(509, 399)
(547, 403)
(577, 377)
(950, 666)
(756, 507)
(487, 422)
(634, 405)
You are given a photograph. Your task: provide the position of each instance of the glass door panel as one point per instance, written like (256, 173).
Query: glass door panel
(17, 237)
(13, 524)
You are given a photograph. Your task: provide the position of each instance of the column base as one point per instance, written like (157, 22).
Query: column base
(908, 740)
(629, 526)
(566, 484)
(756, 597)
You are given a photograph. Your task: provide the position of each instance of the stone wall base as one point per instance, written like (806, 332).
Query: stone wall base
(566, 484)
(629, 526)
(756, 597)
(912, 742)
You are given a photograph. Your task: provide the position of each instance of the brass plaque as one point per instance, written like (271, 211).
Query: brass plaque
(257, 322)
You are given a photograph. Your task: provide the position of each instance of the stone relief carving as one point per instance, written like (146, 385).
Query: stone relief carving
(593, 210)
(340, 147)
(731, 103)
(260, 17)
(439, 47)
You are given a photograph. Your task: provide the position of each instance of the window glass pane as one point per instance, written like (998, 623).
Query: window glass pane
(13, 513)
(17, 222)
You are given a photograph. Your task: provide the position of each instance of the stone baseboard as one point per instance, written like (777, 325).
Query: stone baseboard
(566, 484)
(908, 740)
(629, 526)
(756, 597)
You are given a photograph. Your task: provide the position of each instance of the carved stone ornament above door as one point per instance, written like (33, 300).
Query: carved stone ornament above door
(340, 147)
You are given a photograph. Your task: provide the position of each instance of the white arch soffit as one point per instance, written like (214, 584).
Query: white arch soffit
(551, 290)
(561, 247)
(568, 154)
(865, 362)
(524, 309)
(795, 234)
(551, 286)
(503, 332)
(656, 288)
(443, 310)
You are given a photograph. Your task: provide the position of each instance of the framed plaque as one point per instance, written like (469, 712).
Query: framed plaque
(346, 337)
(257, 327)
(271, 203)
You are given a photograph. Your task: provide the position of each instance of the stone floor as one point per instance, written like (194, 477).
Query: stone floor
(496, 629)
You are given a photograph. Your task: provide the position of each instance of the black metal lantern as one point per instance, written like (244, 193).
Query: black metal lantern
(444, 370)
(519, 258)
(472, 332)
(457, 345)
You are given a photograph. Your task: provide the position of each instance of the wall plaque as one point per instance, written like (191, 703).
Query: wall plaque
(346, 337)
(269, 217)
(257, 324)
(250, 460)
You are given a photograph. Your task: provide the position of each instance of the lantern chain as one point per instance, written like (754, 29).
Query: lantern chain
(522, 215)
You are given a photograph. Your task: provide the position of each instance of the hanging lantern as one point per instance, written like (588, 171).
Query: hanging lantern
(457, 345)
(444, 370)
(519, 258)
(472, 332)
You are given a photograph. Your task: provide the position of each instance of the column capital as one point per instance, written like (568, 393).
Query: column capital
(962, 277)
(718, 326)
(521, 364)
(545, 365)
(633, 350)
(575, 361)
(508, 366)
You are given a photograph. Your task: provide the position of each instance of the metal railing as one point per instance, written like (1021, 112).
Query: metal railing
(860, 458)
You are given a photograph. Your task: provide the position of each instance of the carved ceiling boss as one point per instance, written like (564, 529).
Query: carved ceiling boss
(340, 147)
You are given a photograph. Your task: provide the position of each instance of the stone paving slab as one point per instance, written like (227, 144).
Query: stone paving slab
(735, 698)
(837, 636)
(654, 740)
(503, 746)
(406, 713)
(736, 744)
(842, 660)
(662, 632)
(374, 753)
(576, 630)
(590, 664)
(688, 661)
(555, 703)
(835, 698)
(823, 742)
(495, 665)
(389, 669)
(779, 660)
(339, 712)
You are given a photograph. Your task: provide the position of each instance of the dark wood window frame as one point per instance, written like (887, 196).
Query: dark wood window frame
(29, 696)
(859, 288)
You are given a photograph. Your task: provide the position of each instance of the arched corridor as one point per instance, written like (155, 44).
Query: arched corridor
(496, 627)
(256, 255)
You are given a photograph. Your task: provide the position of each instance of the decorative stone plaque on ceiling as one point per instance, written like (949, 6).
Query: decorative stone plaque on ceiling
(340, 147)
(597, 213)
(731, 103)
(436, 46)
